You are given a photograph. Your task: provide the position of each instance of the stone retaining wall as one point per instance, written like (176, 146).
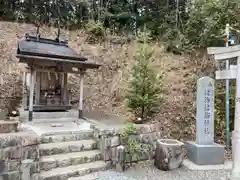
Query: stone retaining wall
(109, 140)
(15, 147)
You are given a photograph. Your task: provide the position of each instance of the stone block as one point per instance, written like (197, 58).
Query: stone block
(143, 128)
(10, 176)
(19, 139)
(169, 154)
(35, 176)
(105, 148)
(35, 168)
(159, 134)
(26, 169)
(30, 140)
(9, 166)
(2, 166)
(3, 115)
(8, 126)
(115, 141)
(114, 156)
(136, 137)
(149, 138)
(105, 143)
(205, 154)
(30, 152)
(17, 152)
(11, 153)
(121, 154)
(107, 154)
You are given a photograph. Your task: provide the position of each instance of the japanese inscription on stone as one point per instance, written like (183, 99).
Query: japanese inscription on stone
(205, 111)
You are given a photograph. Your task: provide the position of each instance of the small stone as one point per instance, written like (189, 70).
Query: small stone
(57, 125)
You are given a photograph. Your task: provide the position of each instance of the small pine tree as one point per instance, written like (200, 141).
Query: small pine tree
(145, 87)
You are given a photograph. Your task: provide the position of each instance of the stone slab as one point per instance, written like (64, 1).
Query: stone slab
(205, 154)
(45, 128)
(26, 138)
(66, 147)
(61, 160)
(194, 167)
(74, 136)
(18, 153)
(64, 173)
(108, 175)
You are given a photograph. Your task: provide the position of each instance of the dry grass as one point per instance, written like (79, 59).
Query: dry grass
(105, 88)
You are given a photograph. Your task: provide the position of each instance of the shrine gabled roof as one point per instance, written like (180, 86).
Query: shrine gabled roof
(42, 47)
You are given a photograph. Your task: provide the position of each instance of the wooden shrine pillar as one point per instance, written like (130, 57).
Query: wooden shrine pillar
(80, 110)
(23, 88)
(31, 94)
(38, 88)
(65, 88)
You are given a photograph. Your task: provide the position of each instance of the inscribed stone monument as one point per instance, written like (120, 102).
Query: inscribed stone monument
(205, 151)
(205, 111)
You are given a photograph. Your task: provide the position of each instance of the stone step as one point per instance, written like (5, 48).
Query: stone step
(76, 136)
(106, 175)
(91, 176)
(68, 159)
(64, 173)
(66, 147)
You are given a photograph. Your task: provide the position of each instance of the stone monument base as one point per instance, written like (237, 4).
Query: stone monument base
(205, 154)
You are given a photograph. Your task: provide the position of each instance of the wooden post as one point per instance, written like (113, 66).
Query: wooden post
(38, 87)
(23, 89)
(31, 94)
(65, 89)
(80, 110)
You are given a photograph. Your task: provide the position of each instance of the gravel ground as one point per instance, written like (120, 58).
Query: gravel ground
(146, 171)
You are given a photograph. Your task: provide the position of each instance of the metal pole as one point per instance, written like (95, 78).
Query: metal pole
(227, 97)
(236, 134)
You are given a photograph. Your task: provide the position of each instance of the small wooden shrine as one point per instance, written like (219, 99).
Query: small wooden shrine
(48, 64)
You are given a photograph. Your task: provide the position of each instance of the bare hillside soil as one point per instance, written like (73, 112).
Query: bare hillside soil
(105, 88)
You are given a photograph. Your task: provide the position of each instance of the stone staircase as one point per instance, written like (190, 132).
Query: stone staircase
(70, 155)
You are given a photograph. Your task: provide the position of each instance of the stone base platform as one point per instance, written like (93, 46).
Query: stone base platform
(205, 154)
(8, 126)
(194, 167)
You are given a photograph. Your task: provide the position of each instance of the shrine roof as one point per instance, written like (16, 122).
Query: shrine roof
(43, 47)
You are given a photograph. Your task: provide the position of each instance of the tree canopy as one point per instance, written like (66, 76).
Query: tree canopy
(190, 23)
